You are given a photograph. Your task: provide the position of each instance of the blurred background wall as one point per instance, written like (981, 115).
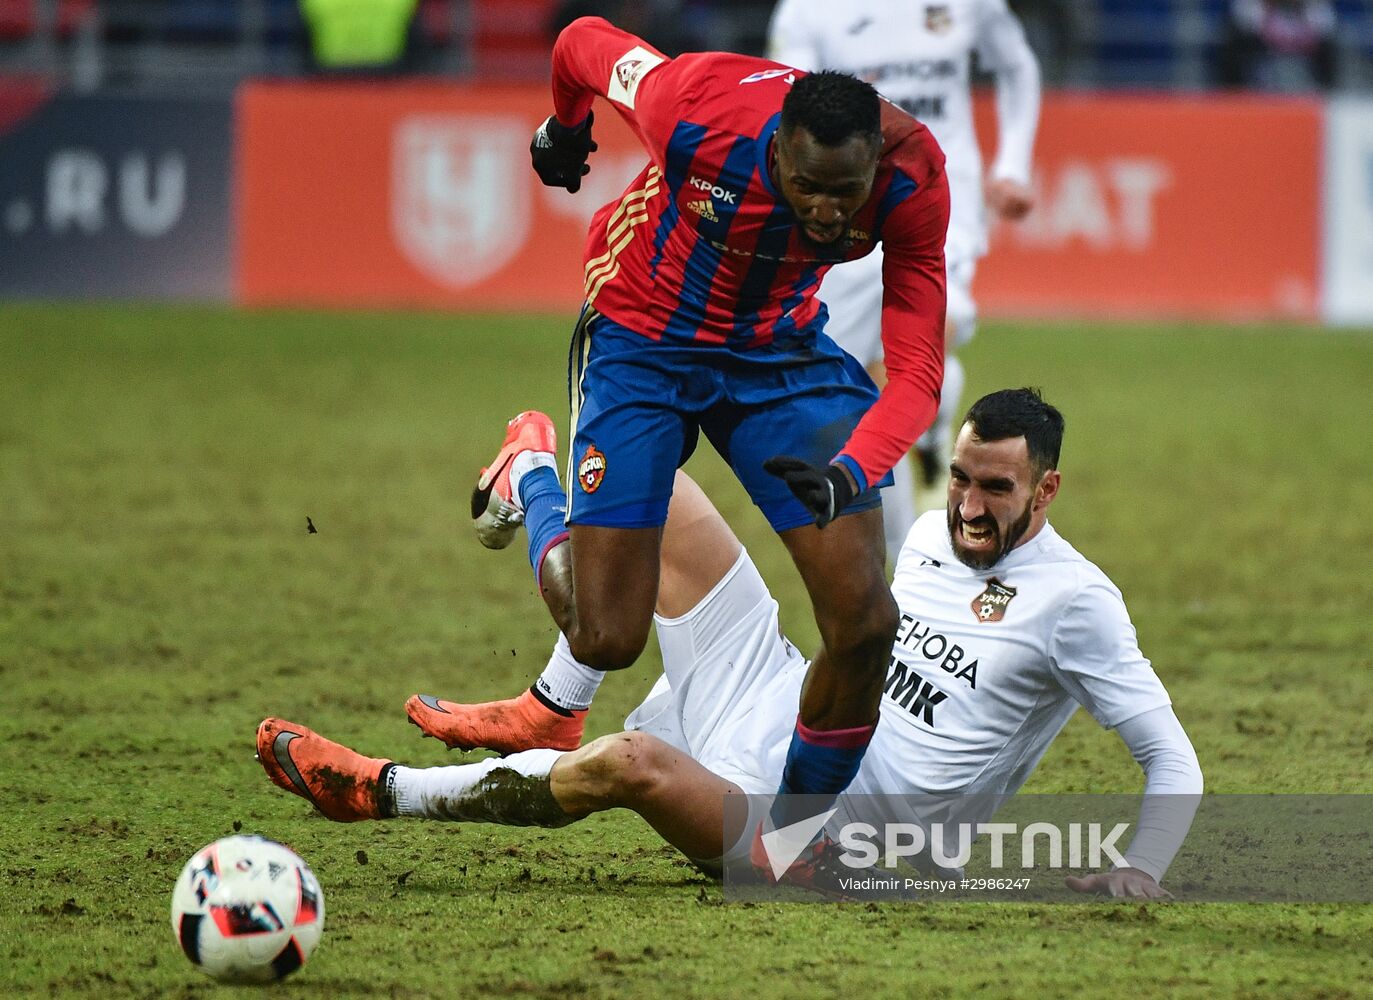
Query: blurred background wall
(1191, 161)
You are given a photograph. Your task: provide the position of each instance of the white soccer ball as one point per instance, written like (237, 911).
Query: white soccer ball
(247, 910)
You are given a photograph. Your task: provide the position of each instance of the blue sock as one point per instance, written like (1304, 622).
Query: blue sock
(820, 765)
(545, 510)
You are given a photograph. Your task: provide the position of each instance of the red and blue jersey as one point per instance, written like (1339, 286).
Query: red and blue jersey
(703, 249)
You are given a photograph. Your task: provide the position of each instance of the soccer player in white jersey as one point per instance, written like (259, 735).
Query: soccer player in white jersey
(917, 55)
(1005, 631)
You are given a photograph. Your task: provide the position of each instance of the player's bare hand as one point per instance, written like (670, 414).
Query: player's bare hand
(1127, 883)
(1009, 199)
(559, 153)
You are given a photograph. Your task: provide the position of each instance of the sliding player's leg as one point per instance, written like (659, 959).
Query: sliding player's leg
(680, 799)
(698, 549)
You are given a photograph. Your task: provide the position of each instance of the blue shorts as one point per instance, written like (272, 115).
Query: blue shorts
(638, 407)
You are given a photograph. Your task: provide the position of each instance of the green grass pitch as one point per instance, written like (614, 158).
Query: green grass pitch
(159, 594)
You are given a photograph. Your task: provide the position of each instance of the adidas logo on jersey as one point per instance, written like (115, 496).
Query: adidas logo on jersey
(705, 209)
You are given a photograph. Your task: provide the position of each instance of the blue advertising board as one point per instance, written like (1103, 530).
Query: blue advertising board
(116, 197)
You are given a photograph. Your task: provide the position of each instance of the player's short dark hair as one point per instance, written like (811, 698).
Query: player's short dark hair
(1012, 413)
(833, 107)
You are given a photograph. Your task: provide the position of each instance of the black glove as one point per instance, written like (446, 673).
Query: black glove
(825, 490)
(559, 153)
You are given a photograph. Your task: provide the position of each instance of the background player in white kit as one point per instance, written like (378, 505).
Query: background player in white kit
(1005, 630)
(917, 55)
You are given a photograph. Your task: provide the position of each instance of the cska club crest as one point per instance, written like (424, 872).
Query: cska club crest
(938, 19)
(990, 605)
(628, 72)
(591, 470)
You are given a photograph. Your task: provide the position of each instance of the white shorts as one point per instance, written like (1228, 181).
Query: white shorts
(853, 294)
(729, 696)
(731, 683)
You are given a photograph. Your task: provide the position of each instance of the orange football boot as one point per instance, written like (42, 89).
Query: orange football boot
(816, 868)
(819, 868)
(345, 786)
(496, 512)
(523, 723)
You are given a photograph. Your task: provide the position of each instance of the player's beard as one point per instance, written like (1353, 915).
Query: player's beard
(1005, 541)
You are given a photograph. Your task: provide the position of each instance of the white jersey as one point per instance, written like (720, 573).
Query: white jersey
(987, 668)
(989, 665)
(917, 55)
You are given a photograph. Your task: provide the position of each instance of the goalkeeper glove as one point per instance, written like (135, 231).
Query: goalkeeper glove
(559, 153)
(824, 490)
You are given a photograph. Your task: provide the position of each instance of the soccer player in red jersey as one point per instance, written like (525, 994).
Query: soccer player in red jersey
(701, 315)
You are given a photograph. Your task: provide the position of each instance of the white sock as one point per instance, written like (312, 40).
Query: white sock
(567, 683)
(512, 790)
(528, 461)
(899, 507)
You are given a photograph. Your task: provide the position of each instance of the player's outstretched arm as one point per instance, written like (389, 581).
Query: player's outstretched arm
(1172, 792)
(1001, 46)
(1172, 788)
(1095, 655)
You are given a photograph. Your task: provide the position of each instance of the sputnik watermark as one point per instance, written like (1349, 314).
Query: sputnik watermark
(1213, 848)
(866, 846)
(1041, 844)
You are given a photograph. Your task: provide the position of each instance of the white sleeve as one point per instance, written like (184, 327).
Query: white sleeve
(1002, 48)
(792, 40)
(1172, 788)
(1094, 654)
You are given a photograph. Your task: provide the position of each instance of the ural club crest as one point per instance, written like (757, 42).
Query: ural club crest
(937, 18)
(990, 605)
(591, 470)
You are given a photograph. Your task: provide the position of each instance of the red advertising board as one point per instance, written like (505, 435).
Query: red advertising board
(1150, 206)
(411, 194)
(421, 194)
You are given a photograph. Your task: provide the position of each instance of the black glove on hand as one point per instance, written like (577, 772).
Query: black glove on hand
(825, 490)
(559, 153)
